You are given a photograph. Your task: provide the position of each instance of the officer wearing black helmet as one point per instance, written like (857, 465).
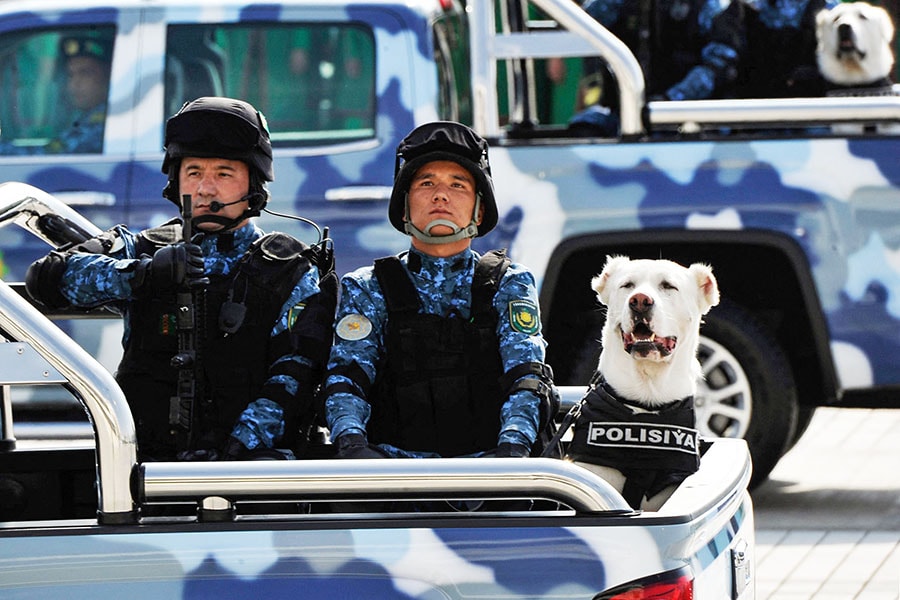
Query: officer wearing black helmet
(438, 351)
(264, 317)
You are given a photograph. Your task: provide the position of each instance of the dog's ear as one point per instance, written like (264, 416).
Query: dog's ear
(884, 19)
(706, 282)
(821, 18)
(598, 283)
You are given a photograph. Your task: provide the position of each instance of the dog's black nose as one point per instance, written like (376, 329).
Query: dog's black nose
(640, 303)
(845, 32)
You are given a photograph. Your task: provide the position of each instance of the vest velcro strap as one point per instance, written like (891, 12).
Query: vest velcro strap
(354, 373)
(542, 370)
(340, 388)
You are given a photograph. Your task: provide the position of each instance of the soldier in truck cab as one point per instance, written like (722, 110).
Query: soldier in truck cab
(87, 61)
(263, 314)
(438, 351)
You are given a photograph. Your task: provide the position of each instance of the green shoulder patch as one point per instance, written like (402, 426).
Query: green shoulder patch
(523, 317)
(294, 313)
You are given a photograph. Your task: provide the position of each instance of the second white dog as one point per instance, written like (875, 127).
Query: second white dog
(854, 44)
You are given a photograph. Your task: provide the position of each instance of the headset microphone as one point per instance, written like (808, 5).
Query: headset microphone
(215, 206)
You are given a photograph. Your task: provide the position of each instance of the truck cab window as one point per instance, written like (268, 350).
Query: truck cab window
(314, 82)
(54, 88)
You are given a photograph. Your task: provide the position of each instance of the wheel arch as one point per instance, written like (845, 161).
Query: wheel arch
(764, 272)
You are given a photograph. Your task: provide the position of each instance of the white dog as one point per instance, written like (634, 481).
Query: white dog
(854, 44)
(636, 427)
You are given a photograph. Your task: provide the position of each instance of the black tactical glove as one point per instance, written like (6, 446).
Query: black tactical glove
(355, 445)
(508, 450)
(43, 278)
(201, 455)
(170, 268)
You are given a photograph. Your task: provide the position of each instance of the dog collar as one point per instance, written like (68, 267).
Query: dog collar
(599, 384)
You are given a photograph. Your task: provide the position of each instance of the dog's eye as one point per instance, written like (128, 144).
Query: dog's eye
(667, 286)
(627, 285)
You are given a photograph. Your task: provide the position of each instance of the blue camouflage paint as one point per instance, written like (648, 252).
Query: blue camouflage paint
(464, 560)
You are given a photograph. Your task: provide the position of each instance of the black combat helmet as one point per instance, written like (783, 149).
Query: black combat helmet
(215, 127)
(443, 140)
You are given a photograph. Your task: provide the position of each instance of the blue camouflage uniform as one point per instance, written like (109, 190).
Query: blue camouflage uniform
(94, 279)
(444, 287)
(689, 49)
(83, 136)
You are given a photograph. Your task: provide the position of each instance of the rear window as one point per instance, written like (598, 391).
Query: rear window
(315, 83)
(54, 88)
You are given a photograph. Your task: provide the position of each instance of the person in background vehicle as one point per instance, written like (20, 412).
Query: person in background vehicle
(264, 317)
(87, 64)
(687, 49)
(438, 351)
(781, 49)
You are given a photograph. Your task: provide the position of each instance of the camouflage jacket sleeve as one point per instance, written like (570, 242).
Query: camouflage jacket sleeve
(358, 344)
(95, 279)
(722, 24)
(519, 332)
(290, 383)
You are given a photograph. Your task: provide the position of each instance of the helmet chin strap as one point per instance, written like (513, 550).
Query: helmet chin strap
(459, 233)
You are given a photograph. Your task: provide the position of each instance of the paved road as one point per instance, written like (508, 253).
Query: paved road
(828, 518)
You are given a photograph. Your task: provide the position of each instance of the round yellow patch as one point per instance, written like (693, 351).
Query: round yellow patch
(353, 327)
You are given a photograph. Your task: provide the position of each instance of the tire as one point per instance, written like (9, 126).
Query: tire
(748, 389)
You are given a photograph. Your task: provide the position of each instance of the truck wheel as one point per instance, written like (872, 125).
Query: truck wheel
(748, 391)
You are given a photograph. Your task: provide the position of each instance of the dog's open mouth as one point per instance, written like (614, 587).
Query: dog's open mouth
(643, 341)
(847, 46)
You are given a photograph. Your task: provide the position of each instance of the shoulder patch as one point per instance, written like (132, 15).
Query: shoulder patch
(523, 316)
(294, 314)
(353, 327)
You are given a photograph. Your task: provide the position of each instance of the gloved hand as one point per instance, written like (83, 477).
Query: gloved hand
(509, 450)
(355, 445)
(200, 455)
(236, 450)
(170, 268)
(595, 120)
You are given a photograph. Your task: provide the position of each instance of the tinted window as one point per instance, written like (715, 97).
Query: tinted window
(315, 83)
(54, 86)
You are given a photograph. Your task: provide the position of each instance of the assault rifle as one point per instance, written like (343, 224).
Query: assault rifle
(189, 323)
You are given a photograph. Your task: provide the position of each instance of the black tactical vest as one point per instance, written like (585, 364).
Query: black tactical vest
(438, 389)
(234, 357)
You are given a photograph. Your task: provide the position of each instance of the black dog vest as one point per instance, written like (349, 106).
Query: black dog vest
(652, 449)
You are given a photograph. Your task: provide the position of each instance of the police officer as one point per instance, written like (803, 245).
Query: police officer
(87, 62)
(687, 49)
(264, 320)
(438, 351)
(781, 49)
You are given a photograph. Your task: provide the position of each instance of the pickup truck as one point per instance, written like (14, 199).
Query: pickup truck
(794, 202)
(89, 521)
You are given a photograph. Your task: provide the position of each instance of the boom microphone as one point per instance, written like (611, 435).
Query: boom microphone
(215, 206)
